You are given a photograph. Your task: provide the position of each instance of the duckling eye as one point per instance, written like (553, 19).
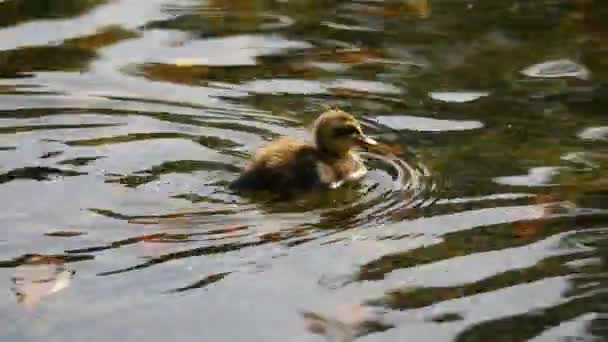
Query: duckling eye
(345, 131)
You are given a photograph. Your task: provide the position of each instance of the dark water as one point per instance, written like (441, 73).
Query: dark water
(121, 122)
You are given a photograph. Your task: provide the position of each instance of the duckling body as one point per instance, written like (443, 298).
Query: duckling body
(287, 165)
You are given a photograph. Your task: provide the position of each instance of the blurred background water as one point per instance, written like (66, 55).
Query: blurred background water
(122, 121)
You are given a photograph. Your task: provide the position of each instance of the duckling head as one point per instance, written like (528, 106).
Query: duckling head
(337, 133)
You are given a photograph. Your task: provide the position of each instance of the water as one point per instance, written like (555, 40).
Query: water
(122, 122)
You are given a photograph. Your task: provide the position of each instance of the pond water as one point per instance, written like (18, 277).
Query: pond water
(122, 122)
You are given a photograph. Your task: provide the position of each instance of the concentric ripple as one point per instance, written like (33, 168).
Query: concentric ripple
(392, 186)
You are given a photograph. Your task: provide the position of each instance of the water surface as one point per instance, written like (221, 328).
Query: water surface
(122, 122)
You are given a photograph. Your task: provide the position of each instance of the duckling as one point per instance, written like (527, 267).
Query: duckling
(287, 165)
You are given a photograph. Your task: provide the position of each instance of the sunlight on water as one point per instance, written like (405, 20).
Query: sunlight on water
(483, 216)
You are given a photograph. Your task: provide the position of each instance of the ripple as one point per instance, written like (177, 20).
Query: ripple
(122, 123)
(594, 133)
(416, 123)
(538, 176)
(557, 68)
(243, 50)
(458, 97)
(346, 27)
(391, 186)
(181, 166)
(38, 259)
(213, 21)
(80, 161)
(118, 13)
(19, 129)
(277, 86)
(214, 278)
(39, 173)
(300, 87)
(64, 233)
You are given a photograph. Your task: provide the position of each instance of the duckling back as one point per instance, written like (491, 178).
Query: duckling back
(284, 166)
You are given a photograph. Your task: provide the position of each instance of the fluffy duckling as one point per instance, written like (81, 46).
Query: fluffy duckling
(290, 166)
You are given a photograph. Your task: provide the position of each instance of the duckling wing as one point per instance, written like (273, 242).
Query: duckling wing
(285, 165)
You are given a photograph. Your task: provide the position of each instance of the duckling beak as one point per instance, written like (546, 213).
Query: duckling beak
(364, 140)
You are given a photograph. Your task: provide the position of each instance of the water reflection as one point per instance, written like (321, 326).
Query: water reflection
(121, 123)
(39, 279)
(13, 12)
